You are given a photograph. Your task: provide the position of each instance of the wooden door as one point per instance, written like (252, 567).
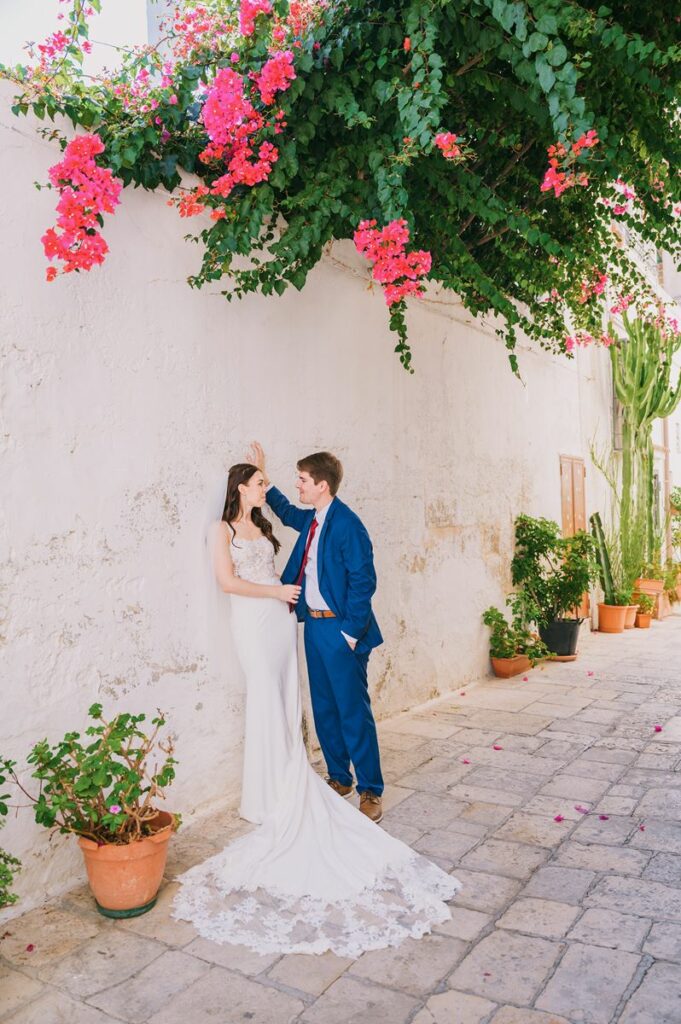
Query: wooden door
(573, 503)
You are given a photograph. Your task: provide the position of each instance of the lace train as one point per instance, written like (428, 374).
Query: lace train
(404, 903)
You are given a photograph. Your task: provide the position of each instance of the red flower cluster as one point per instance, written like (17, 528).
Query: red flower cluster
(396, 269)
(248, 12)
(562, 179)
(189, 204)
(232, 123)
(85, 192)
(446, 143)
(276, 75)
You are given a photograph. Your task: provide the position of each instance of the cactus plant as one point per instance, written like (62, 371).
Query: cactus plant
(603, 556)
(642, 366)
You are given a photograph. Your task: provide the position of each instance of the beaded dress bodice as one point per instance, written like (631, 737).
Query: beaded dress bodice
(253, 560)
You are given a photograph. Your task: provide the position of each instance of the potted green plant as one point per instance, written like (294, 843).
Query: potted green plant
(513, 647)
(553, 573)
(612, 612)
(103, 789)
(9, 865)
(645, 611)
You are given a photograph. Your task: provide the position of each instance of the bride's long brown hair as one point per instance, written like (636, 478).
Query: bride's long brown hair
(241, 474)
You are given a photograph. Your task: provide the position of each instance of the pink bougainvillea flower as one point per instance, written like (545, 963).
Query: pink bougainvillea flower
(248, 12)
(581, 809)
(276, 75)
(559, 818)
(398, 271)
(657, 728)
(623, 303)
(86, 191)
(446, 143)
(497, 746)
(559, 175)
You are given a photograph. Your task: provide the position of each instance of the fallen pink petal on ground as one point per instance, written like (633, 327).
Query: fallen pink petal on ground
(559, 817)
(581, 809)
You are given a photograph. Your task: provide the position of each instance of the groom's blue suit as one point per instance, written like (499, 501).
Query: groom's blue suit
(338, 675)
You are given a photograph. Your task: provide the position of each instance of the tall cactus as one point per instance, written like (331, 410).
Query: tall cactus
(642, 367)
(604, 566)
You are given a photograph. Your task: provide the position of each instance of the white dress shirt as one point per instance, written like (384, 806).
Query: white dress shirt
(313, 595)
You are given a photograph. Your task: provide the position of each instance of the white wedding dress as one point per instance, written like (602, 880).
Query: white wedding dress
(317, 874)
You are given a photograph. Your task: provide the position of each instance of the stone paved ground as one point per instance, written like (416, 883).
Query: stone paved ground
(573, 921)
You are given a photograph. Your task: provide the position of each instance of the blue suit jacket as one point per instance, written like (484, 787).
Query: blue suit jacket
(345, 565)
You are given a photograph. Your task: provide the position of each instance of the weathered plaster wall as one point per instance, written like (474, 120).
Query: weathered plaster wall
(123, 390)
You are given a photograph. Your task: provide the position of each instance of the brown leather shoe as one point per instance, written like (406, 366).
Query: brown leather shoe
(371, 805)
(338, 787)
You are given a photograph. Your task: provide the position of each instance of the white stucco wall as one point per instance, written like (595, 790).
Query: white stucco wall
(123, 390)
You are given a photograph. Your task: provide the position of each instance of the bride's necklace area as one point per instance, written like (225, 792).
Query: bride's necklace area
(254, 533)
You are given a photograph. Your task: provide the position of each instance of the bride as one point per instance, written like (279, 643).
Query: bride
(316, 874)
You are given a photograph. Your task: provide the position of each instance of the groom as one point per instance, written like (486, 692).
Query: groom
(333, 562)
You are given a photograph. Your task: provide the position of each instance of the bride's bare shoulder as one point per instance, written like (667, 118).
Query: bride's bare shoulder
(219, 533)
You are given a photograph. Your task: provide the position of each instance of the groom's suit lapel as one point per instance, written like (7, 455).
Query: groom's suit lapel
(323, 536)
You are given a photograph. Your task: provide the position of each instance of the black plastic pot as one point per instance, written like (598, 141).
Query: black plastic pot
(560, 636)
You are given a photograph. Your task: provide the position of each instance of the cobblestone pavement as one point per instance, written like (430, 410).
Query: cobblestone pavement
(564, 916)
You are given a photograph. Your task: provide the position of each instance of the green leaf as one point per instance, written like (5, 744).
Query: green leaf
(557, 55)
(537, 41)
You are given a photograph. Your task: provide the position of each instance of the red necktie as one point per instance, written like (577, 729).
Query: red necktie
(313, 529)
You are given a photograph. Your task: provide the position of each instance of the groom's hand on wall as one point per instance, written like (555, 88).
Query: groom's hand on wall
(256, 456)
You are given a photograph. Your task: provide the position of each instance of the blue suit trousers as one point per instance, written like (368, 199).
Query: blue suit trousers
(342, 707)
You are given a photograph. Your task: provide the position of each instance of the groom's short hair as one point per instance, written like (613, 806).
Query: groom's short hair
(323, 466)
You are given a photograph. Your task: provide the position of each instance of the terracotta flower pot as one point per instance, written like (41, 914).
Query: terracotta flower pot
(643, 621)
(648, 586)
(504, 668)
(125, 879)
(611, 618)
(630, 617)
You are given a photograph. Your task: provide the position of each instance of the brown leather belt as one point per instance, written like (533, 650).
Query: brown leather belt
(326, 614)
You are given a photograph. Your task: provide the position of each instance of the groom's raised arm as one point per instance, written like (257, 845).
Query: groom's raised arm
(290, 515)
